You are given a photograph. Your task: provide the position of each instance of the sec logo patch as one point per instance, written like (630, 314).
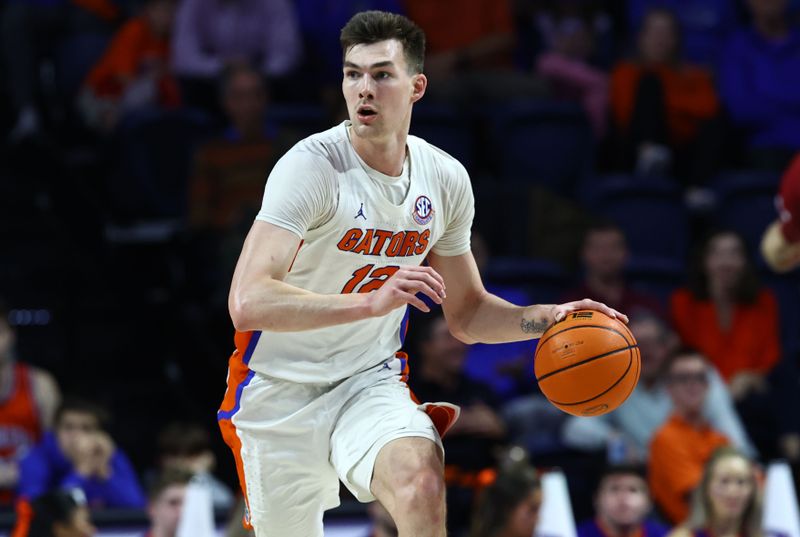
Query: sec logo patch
(423, 210)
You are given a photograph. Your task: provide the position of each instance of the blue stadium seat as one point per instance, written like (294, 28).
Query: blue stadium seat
(787, 292)
(157, 152)
(75, 57)
(746, 203)
(543, 280)
(297, 119)
(649, 210)
(447, 129)
(546, 142)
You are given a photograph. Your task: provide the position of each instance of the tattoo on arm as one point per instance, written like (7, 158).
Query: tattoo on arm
(531, 326)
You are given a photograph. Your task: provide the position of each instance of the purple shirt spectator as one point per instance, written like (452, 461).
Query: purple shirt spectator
(705, 24)
(211, 33)
(759, 80)
(46, 467)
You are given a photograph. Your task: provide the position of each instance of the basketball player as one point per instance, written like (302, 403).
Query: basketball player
(319, 298)
(780, 244)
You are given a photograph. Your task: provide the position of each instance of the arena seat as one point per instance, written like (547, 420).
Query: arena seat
(545, 142)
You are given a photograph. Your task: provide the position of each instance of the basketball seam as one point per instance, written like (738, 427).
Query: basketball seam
(542, 342)
(576, 364)
(601, 394)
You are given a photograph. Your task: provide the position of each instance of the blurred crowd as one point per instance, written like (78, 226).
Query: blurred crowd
(627, 151)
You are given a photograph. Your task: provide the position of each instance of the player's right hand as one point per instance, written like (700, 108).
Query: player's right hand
(402, 288)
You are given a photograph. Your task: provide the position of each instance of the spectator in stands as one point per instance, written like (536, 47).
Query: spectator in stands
(728, 316)
(705, 24)
(165, 503)
(133, 74)
(80, 453)
(186, 447)
(229, 172)
(61, 513)
(759, 79)
(727, 501)
(664, 110)
(604, 254)
(438, 375)
(509, 503)
(29, 32)
(650, 405)
(211, 35)
(29, 397)
(471, 61)
(622, 504)
(682, 446)
(566, 65)
(228, 179)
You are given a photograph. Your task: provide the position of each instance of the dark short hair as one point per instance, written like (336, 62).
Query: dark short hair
(602, 226)
(166, 479)
(52, 508)
(83, 406)
(370, 27)
(636, 470)
(683, 353)
(183, 439)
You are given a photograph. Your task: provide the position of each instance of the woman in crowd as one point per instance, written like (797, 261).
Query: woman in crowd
(727, 503)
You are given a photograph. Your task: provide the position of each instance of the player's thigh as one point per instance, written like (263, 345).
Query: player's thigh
(286, 493)
(283, 432)
(375, 415)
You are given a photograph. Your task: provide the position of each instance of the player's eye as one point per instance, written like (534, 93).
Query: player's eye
(382, 75)
(352, 75)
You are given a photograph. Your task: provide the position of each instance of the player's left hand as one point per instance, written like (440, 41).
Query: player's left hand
(561, 310)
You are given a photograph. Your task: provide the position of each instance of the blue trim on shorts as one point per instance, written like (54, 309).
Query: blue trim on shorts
(404, 326)
(248, 354)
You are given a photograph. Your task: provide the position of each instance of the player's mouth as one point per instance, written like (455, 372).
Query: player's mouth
(366, 114)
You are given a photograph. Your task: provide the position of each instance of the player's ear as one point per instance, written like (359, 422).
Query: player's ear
(420, 84)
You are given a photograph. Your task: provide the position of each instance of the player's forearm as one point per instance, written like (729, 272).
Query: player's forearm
(494, 320)
(276, 306)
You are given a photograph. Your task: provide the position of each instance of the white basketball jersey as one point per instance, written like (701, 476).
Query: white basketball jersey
(362, 240)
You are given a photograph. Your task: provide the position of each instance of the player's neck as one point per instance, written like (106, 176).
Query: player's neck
(385, 155)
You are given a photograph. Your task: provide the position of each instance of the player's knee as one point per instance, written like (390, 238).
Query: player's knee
(422, 489)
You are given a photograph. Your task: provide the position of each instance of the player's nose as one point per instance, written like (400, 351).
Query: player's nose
(366, 86)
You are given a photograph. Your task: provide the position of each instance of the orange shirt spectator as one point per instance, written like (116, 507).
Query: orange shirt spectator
(751, 343)
(689, 96)
(133, 50)
(678, 454)
(476, 20)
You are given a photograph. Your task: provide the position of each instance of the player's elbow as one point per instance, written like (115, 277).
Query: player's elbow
(460, 333)
(241, 313)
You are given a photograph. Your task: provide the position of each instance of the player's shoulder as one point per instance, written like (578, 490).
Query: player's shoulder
(323, 149)
(448, 168)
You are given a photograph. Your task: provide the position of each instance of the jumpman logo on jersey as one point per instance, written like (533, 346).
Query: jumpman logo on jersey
(361, 213)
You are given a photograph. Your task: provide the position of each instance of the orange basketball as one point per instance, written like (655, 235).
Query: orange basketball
(587, 364)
